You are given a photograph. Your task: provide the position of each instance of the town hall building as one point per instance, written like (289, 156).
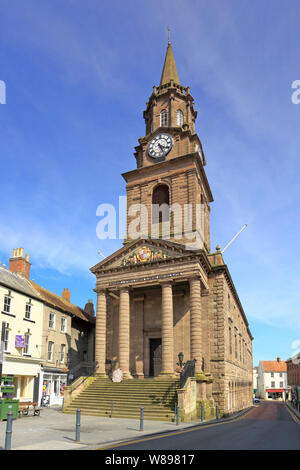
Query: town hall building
(165, 292)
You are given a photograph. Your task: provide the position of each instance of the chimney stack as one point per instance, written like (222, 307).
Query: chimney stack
(89, 308)
(18, 264)
(278, 359)
(66, 295)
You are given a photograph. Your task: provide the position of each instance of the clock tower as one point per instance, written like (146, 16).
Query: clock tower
(169, 184)
(163, 294)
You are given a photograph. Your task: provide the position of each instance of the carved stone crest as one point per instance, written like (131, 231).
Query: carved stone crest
(144, 254)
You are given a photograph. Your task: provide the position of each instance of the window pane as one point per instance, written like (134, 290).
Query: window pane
(28, 311)
(179, 118)
(164, 118)
(7, 304)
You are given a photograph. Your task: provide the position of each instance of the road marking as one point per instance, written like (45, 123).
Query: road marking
(295, 418)
(172, 433)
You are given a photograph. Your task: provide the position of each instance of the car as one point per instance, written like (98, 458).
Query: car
(256, 400)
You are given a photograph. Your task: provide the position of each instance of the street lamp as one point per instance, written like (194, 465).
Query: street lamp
(180, 357)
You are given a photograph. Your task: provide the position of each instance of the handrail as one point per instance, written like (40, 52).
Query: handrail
(187, 371)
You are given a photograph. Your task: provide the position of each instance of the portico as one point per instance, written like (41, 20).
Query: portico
(141, 298)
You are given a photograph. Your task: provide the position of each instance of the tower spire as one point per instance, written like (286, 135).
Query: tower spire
(170, 70)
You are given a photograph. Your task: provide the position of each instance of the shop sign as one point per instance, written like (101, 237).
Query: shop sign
(20, 341)
(45, 400)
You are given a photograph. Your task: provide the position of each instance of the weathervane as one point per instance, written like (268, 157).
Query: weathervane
(169, 42)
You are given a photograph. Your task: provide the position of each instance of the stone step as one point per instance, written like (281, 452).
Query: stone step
(156, 396)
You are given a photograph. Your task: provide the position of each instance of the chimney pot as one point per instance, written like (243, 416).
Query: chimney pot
(18, 264)
(66, 295)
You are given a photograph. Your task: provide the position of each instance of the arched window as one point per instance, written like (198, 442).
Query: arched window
(164, 118)
(179, 117)
(160, 204)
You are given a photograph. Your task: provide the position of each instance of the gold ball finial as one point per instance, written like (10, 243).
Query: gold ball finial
(218, 248)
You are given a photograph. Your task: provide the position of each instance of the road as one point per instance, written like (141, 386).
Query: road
(268, 426)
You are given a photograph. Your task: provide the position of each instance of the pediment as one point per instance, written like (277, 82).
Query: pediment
(141, 252)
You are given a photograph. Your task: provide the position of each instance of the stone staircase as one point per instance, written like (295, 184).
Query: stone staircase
(157, 396)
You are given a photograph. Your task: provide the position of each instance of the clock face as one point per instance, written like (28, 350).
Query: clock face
(160, 146)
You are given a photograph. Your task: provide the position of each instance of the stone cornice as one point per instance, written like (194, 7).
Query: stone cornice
(146, 171)
(224, 270)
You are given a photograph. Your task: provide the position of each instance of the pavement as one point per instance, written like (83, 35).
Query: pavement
(54, 430)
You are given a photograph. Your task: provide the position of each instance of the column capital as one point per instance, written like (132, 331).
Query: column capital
(124, 288)
(194, 277)
(101, 290)
(165, 283)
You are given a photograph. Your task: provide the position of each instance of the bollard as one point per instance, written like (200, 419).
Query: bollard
(112, 409)
(177, 415)
(202, 413)
(8, 430)
(142, 419)
(217, 412)
(77, 425)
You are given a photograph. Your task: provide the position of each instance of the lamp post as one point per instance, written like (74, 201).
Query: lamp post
(180, 357)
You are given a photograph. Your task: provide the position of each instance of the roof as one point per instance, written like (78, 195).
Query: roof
(18, 283)
(274, 366)
(62, 304)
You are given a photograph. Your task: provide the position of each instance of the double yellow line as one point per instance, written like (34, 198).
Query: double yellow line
(295, 418)
(173, 433)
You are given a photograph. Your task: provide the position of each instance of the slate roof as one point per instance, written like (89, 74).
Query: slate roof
(62, 304)
(18, 283)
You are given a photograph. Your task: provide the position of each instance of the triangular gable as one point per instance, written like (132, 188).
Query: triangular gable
(141, 252)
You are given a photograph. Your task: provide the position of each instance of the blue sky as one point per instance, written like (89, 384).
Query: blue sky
(78, 75)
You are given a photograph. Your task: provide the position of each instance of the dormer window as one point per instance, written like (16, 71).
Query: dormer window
(179, 118)
(163, 118)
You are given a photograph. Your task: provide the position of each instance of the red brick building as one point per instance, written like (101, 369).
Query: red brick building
(293, 380)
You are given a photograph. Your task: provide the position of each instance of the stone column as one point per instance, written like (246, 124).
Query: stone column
(100, 344)
(124, 337)
(139, 336)
(167, 330)
(196, 330)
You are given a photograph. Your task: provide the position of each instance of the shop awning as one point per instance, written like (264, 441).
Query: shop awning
(274, 390)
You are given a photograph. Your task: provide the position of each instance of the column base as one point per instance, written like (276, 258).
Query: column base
(202, 377)
(138, 376)
(127, 376)
(103, 375)
(166, 375)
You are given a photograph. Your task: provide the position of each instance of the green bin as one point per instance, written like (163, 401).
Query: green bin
(8, 405)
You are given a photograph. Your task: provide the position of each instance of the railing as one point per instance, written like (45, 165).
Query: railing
(187, 371)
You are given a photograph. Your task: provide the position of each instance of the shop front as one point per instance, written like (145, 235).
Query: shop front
(275, 393)
(53, 384)
(25, 373)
